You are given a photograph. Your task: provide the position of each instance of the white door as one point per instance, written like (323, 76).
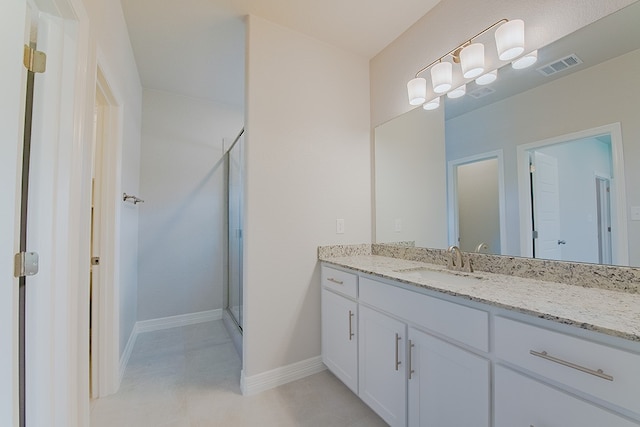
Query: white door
(546, 206)
(339, 337)
(382, 372)
(448, 386)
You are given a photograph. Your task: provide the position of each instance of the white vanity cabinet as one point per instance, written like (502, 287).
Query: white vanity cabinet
(523, 401)
(448, 386)
(382, 365)
(339, 325)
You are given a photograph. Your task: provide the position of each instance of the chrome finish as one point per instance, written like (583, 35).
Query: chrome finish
(454, 263)
(25, 264)
(411, 371)
(351, 334)
(598, 373)
(398, 362)
(339, 282)
(130, 198)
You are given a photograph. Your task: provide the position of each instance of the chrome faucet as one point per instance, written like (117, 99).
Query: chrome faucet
(455, 263)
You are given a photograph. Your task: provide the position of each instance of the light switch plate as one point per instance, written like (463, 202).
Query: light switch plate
(339, 226)
(635, 213)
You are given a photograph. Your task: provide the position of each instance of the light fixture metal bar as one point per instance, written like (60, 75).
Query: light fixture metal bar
(468, 41)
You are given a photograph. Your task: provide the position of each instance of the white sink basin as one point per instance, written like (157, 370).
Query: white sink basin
(452, 278)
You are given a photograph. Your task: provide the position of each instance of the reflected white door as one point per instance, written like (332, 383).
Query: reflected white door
(546, 206)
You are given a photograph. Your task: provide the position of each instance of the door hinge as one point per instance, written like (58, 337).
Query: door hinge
(35, 61)
(95, 260)
(532, 168)
(535, 234)
(25, 264)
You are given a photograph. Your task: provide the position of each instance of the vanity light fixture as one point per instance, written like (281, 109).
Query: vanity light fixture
(487, 78)
(509, 37)
(432, 105)
(457, 92)
(525, 61)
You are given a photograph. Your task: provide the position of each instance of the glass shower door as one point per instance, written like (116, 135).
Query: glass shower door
(235, 189)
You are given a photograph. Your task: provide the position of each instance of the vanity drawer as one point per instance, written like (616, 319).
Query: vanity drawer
(464, 324)
(339, 281)
(572, 361)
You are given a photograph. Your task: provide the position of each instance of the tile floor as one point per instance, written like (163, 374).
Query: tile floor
(189, 377)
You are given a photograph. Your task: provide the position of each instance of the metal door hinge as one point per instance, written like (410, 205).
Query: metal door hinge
(95, 260)
(25, 264)
(35, 61)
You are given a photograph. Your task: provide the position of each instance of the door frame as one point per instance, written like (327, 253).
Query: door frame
(620, 242)
(106, 299)
(452, 195)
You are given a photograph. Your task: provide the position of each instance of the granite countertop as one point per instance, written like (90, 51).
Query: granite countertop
(608, 311)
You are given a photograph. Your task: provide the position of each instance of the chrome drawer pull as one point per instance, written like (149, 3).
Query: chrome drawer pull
(599, 373)
(398, 362)
(411, 371)
(350, 329)
(339, 282)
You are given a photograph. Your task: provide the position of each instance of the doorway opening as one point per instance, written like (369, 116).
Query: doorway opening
(476, 203)
(572, 198)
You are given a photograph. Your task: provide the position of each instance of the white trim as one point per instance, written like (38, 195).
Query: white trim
(179, 320)
(620, 240)
(452, 200)
(279, 376)
(128, 349)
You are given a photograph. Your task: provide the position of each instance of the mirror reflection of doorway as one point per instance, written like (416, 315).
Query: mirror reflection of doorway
(476, 195)
(573, 199)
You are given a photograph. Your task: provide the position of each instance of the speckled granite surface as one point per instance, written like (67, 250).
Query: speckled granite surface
(613, 312)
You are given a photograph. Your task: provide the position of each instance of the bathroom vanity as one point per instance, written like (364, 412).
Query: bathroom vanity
(427, 346)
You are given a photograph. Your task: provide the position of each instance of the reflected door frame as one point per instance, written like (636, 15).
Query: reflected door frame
(452, 195)
(620, 240)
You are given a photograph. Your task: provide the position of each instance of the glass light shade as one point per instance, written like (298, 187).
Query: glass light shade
(510, 39)
(432, 105)
(441, 77)
(525, 61)
(417, 89)
(487, 78)
(457, 92)
(472, 60)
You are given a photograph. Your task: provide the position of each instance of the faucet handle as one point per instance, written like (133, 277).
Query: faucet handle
(468, 266)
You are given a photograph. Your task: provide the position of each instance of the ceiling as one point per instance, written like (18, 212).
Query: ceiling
(196, 47)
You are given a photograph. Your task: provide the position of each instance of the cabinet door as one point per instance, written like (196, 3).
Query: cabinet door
(382, 373)
(339, 337)
(522, 401)
(448, 386)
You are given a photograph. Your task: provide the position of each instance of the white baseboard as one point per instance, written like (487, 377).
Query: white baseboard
(179, 320)
(164, 323)
(126, 354)
(279, 376)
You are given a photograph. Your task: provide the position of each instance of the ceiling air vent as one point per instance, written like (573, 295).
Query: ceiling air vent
(481, 91)
(560, 65)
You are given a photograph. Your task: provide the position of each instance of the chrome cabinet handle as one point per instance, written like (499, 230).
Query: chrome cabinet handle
(339, 282)
(350, 327)
(598, 373)
(398, 362)
(411, 371)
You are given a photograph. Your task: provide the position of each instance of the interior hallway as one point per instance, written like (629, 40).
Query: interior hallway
(190, 376)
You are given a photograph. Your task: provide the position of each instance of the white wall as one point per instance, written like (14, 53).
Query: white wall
(182, 222)
(308, 163)
(453, 21)
(568, 108)
(11, 83)
(409, 158)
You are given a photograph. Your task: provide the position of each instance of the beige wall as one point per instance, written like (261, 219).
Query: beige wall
(409, 153)
(308, 163)
(451, 22)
